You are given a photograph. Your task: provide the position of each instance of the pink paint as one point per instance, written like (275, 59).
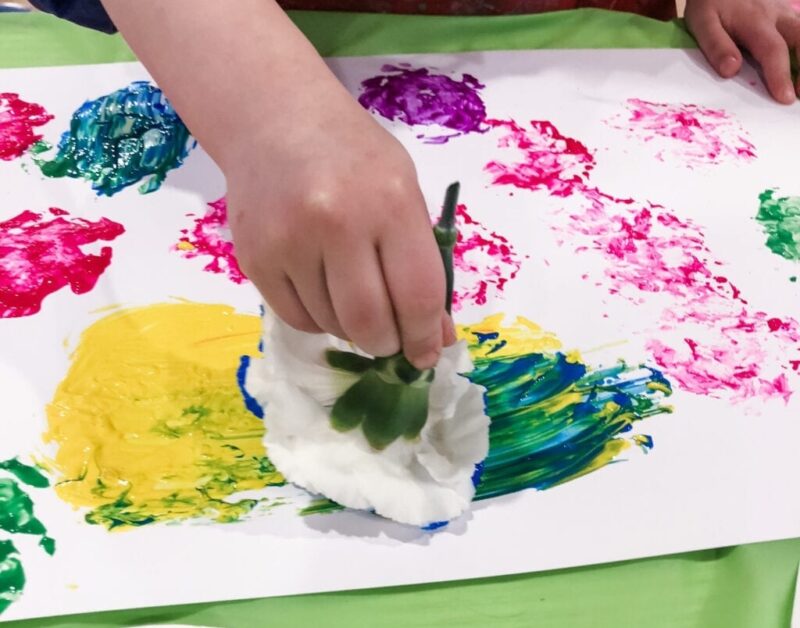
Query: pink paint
(17, 121)
(40, 255)
(484, 262)
(212, 238)
(648, 251)
(688, 134)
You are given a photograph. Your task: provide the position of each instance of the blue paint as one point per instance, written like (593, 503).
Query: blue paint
(118, 140)
(241, 378)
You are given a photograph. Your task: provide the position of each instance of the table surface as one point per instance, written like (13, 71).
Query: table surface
(748, 586)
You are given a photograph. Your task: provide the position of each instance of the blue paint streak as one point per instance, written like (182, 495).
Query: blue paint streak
(241, 377)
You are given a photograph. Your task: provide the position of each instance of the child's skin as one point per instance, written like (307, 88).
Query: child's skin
(324, 205)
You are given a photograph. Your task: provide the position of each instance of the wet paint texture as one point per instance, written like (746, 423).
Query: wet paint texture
(41, 254)
(484, 262)
(118, 140)
(779, 216)
(709, 339)
(419, 98)
(553, 417)
(25, 473)
(12, 576)
(149, 421)
(212, 238)
(685, 133)
(18, 120)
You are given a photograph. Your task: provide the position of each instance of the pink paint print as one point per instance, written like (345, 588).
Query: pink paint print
(212, 238)
(709, 339)
(484, 262)
(17, 121)
(688, 134)
(41, 254)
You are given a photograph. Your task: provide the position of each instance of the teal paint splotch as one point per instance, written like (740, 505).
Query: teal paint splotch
(780, 218)
(118, 140)
(554, 419)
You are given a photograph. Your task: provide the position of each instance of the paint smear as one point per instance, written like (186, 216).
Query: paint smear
(17, 517)
(484, 262)
(688, 134)
(18, 120)
(212, 238)
(780, 218)
(554, 418)
(42, 254)
(12, 576)
(418, 98)
(149, 421)
(118, 140)
(709, 339)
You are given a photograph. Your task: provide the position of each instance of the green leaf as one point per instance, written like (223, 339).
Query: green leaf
(348, 361)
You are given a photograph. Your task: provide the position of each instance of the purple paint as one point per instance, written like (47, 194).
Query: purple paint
(419, 98)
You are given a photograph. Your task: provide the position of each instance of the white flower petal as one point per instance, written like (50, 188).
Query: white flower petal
(416, 482)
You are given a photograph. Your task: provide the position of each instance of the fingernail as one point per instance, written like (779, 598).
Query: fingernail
(427, 360)
(789, 95)
(728, 66)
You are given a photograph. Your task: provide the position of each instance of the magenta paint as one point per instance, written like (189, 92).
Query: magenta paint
(649, 250)
(420, 98)
(41, 254)
(211, 237)
(18, 120)
(684, 133)
(484, 262)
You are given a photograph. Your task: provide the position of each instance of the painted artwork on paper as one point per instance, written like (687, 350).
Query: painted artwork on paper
(636, 339)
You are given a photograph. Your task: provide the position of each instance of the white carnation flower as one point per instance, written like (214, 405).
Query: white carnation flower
(418, 482)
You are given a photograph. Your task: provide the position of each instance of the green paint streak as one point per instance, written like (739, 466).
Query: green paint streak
(12, 577)
(16, 512)
(780, 219)
(25, 473)
(553, 419)
(321, 507)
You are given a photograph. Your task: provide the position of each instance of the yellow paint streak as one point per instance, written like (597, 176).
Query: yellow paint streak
(185, 245)
(150, 417)
(522, 337)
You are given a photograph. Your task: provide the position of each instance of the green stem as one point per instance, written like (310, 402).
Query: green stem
(446, 236)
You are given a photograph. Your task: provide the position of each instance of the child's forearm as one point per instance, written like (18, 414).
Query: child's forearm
(236, 71)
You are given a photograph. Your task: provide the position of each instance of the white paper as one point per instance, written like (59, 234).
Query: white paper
(721, 473)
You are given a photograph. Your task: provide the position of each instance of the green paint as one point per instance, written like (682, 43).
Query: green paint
(780, 218)
(793, 279)
(321, 507)
(12, 577)
(25, 473)
(16, 511)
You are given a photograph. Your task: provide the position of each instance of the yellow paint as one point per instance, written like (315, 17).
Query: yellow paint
(150, 423)
(185, 245)
(522, 337)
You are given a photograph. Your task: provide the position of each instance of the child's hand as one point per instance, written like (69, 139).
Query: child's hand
(324, 205)
(330, 224)
(768, 29)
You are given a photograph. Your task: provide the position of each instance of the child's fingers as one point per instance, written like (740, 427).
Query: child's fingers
(311, 286)
(789, 28)
(414, 275)
(448, 330)
(359, 296)
(717, 45)
(769, 48)
(279, 292)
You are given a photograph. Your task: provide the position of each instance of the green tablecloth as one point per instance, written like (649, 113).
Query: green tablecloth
(742, 587)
